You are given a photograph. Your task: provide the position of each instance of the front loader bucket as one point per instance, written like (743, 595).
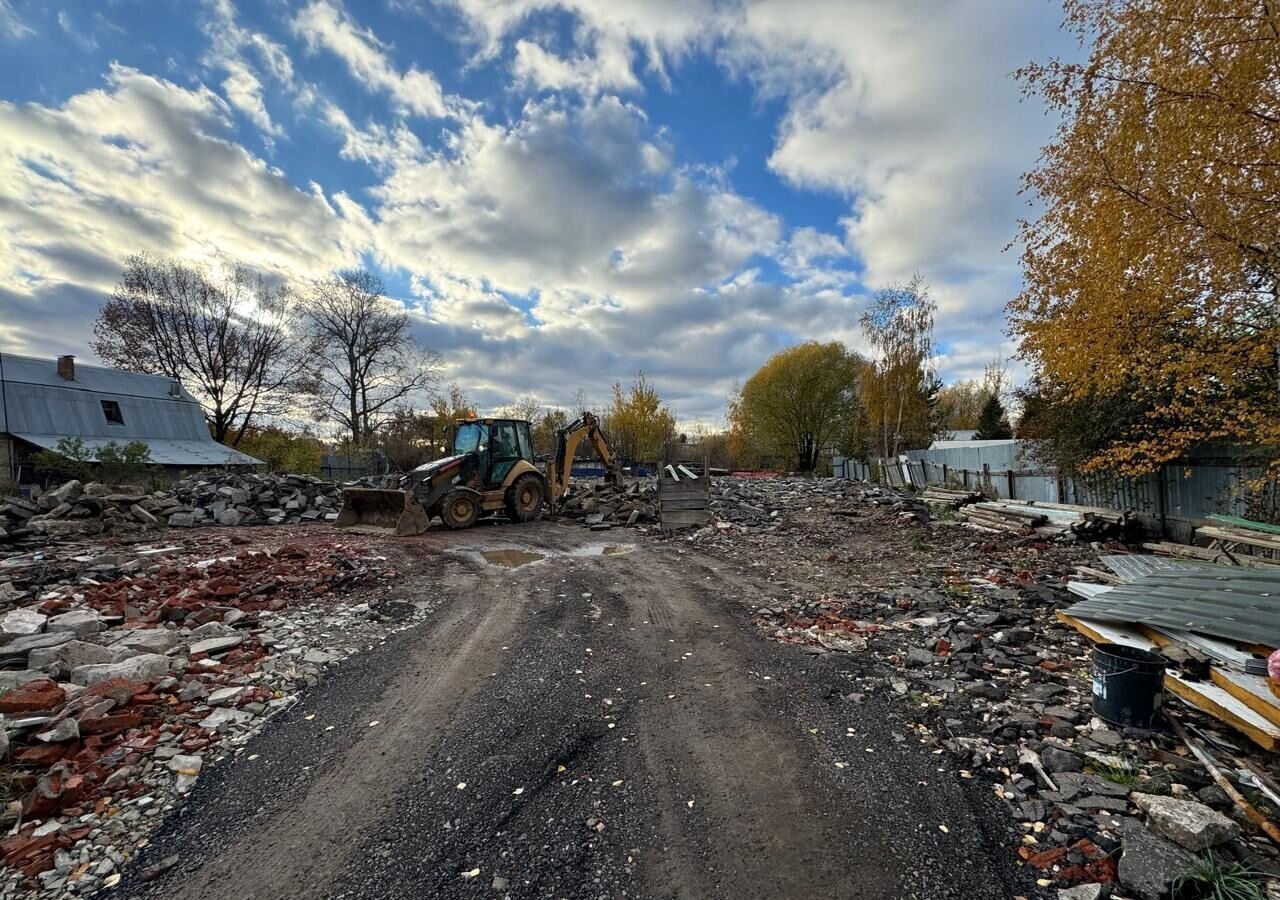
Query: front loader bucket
(373, 509)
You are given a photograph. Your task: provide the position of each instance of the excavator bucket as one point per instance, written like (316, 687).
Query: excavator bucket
(381, 510)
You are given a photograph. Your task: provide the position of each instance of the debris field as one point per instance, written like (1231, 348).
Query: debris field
(138, 657)
(130, 666)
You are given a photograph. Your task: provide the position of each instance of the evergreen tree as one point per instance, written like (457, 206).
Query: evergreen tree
(993, 424)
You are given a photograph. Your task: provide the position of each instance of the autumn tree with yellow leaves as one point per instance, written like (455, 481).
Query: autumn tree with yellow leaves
(1153, 274)
(638, 423)
(801, 402)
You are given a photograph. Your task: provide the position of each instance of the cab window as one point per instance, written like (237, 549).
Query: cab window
(505, 444)
(470, 436)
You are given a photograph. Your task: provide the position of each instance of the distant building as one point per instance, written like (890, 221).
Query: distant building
(959, 443)
(44, 400)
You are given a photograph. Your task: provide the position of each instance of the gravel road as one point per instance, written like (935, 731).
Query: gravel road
(602, 723)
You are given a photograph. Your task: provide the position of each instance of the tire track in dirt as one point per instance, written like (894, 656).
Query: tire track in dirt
(299, 848)
(570, 796)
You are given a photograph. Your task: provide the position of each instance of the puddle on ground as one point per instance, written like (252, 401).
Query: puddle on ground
(514, 557)
(511, 559)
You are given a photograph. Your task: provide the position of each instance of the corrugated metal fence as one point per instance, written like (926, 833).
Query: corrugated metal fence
(1170, 503)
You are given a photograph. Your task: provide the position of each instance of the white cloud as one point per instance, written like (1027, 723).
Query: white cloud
(567, 250)
(84, 40)
(579, 199)
(907, 109)
(381, 147)
(325, 24)
(11, 25)
(143, 165)
(609, 69)
(229, 43)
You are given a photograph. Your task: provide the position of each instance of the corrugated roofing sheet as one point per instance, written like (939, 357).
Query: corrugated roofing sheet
(1222, 601)
(165, 452)
(31, 370)
(1132, 565)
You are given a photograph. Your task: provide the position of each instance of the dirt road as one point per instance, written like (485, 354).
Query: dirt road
(603, 723)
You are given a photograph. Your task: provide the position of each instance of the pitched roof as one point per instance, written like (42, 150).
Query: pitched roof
(100, 405)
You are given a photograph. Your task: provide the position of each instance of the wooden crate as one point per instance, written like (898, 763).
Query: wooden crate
(683, 503)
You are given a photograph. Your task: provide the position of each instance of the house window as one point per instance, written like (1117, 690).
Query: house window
(111, 409)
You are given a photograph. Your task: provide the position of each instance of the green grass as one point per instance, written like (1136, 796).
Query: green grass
(1127, 773)
(919, 543)
(1262, 803)
(1212, 879)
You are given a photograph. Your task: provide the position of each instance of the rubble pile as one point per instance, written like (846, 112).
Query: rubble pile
(127, 671)
(597, 503)
(744, 504)
(759, 504)
(76, 509)
(960, 628)
(224, 499)
(249, 499)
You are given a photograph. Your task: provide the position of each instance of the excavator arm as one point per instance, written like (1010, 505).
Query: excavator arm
(567, 440)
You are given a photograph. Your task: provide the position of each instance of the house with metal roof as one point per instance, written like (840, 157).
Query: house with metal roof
(45, 400)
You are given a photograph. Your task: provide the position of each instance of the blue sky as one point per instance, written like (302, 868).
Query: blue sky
(562, 192)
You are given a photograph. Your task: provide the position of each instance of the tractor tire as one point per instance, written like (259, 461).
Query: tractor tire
(460, 509)
(525, 496)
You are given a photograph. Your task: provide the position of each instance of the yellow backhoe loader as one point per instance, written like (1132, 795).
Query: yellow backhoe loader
(491, 470)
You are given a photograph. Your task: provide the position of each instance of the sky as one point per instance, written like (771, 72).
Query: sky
(561, 192)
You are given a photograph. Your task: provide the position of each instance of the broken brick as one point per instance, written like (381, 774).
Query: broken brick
(34, 696)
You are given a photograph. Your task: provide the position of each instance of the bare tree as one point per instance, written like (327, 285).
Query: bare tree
(230, 340)
(526, 407)
(900, 387)
(367, 361)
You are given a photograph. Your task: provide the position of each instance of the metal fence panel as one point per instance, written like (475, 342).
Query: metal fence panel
(1172, 502)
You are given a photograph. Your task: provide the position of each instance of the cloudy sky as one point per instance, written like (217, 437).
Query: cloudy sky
(562, 191)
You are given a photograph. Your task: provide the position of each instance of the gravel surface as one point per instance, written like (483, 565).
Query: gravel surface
(588, 725)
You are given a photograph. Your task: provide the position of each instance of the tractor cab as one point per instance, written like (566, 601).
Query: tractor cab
(498, 445)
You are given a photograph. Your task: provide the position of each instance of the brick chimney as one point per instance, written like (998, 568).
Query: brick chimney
(67, 367)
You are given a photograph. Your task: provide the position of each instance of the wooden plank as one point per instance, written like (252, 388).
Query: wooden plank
(688, 515)
(1264, 542)
(1251, 690)
(1247, 524)
(686, 490)
(1225, 708)
(682, 503)
(684, 518)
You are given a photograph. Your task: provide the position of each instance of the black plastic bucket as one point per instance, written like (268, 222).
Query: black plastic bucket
(1128, 685)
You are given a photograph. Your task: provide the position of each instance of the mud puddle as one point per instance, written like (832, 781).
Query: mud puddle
(515, 557)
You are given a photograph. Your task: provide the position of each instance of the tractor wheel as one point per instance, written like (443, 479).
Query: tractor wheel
(524, 497)
(460, 509)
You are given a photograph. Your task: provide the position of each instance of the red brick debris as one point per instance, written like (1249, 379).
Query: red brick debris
(118, 723)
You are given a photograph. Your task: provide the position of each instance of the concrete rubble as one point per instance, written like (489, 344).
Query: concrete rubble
(227, 499)
(744, 504)
(132, 669)
(959, 626)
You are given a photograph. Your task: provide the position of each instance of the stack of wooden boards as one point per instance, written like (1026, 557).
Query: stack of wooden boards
(1047, 520)
(949, 497)
(684, 497)
(1219, 623)
(1229, 541)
